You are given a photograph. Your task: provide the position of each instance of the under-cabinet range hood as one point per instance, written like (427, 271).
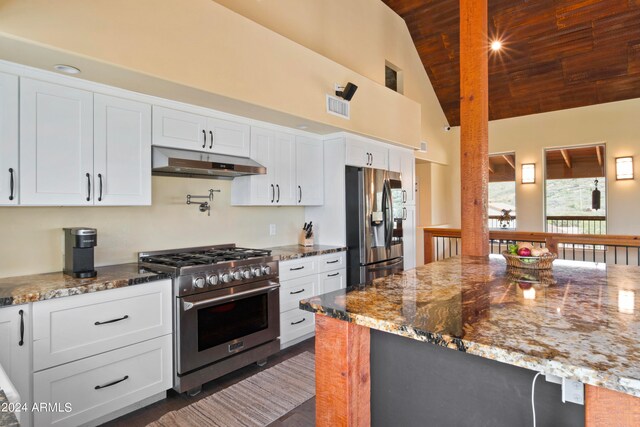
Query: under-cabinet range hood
(196, 164)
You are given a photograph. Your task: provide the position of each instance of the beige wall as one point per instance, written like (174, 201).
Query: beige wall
(201, 45)
(361, 35)
(616, 124)
(32, 239)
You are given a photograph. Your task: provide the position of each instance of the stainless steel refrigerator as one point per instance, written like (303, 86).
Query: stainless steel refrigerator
(374, 207)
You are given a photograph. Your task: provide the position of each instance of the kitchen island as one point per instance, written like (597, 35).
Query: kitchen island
(580, 322)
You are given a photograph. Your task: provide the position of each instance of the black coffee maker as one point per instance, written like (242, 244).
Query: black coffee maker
(78, 251)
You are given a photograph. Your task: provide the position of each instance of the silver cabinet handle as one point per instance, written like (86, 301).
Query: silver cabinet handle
(404, 213)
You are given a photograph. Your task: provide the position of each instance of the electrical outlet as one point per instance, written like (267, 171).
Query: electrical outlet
(572, 391)
(553, 378)
(272, 229)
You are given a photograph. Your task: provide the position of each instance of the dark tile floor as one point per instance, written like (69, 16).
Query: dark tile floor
(302, 416)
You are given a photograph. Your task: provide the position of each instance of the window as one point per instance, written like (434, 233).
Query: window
(502, 191)
(571, 203)
(393, 77)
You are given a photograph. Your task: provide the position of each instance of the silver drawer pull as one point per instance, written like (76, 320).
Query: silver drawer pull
(298, 322)
(333, 275)
(126, 316)
(98, 387)
(333, 262)
(297, 268)
(297, 292)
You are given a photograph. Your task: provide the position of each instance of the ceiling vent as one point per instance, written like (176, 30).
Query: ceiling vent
(338, 107)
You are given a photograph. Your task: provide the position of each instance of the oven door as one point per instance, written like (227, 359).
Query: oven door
(214, 325)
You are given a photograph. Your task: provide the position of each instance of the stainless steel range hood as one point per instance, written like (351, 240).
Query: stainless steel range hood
(196, 164)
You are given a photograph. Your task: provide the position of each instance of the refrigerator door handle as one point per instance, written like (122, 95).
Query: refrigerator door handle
(388, 213)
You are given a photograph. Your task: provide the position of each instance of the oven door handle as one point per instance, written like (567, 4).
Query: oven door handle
(189, 305)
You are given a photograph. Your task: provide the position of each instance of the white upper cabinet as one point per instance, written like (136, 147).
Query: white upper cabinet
(309, 171)
(8, 139)
(403, 161)
(179, 129)
(286, 190)
(122, 151)
(229, 138)
(56, 144)
(276, 151)
(363, 153)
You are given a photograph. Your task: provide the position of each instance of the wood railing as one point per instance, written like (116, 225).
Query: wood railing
(440, 243)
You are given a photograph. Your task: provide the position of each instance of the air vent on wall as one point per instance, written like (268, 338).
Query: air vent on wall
(338, 107)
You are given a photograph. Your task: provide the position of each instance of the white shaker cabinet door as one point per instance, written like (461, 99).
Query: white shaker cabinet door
(56, 144)
(309, 171)
(15, 351)
(122, 155)
(286, 190)
(263, 151)
(407, 171)
(179, 129)
(409, 237)
(8, 139)
(230, 138)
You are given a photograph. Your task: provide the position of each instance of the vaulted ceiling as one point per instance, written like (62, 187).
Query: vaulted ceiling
(557, 54)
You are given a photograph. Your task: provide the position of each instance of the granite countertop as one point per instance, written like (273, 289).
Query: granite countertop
(39, 287)
(286, 253)
(580, 321)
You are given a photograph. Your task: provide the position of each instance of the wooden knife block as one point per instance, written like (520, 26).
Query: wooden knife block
(302, 239)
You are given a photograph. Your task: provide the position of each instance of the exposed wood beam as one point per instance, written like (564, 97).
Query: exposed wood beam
(599, 154)
(474, 129)
(508, 159)
(491, 169)
(566, 157)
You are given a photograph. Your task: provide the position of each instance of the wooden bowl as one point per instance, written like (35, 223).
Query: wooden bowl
(542, 262)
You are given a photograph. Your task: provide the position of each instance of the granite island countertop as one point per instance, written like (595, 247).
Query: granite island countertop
(39, 287)
(7, 418)
(289, 252)
(581, 323)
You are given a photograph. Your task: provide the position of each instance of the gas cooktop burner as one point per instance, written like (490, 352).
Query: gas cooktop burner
(211, 256)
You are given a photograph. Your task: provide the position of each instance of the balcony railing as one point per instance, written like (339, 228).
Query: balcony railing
(577, 224)
(440, 243)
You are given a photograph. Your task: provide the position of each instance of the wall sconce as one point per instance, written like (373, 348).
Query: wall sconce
(528, 173)
(624, 168)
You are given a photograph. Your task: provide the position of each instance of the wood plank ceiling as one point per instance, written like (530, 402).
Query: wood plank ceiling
(557, 54)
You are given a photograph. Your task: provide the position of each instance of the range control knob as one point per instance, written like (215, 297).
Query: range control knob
(213, 279)
(257, 271)
(237, 275)
(247, 274)
(225, 277)
(266, 269)
(199, 282)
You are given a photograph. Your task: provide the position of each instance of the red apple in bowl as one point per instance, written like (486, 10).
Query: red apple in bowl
(524, 252)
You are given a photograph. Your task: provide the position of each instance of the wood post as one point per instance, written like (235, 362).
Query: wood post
(608, 408)
(343, 381)
(428, 247)
(474, 126)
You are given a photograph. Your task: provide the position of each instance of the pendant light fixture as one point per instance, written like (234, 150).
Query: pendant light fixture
(595, 197)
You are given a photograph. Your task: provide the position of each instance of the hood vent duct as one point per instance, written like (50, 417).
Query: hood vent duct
(196, 164)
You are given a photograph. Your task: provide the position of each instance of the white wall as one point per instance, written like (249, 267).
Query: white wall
(32, 237)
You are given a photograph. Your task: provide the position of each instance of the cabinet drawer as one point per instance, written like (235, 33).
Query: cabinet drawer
(93, 388)
(298, 268)
(68, 329)
(295, 323)
(292, 291)
(331, 262)
(332, 281)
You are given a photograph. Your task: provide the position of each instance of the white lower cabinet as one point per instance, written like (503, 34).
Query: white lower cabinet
(97, 386)
(15, 352)
(96, 355)
(301, 279)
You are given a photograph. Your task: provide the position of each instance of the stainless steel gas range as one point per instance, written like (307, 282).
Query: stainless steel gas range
(226, 312)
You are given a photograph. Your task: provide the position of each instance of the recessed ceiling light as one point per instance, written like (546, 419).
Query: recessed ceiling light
(496, 45)
(303, 127)
(66, 69)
